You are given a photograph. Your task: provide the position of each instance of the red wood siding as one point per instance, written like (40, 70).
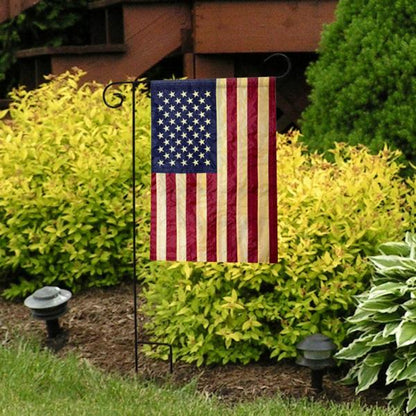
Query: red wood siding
(151, 33)
(260, 26)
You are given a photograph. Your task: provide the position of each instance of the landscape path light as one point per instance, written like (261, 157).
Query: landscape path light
(48, 304)
(316, 353)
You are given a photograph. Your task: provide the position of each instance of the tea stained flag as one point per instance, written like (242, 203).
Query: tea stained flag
(213, 180)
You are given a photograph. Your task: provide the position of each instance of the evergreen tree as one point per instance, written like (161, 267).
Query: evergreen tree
(364, 80)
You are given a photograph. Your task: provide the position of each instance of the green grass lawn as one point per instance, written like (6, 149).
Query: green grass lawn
(37, 383)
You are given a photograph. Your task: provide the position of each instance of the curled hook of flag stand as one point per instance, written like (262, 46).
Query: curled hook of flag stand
(280, 56)
(120, 98)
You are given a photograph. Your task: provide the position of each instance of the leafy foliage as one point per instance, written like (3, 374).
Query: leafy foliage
(331, 217)
(65, 199)
(48, 23)
(363, 84)
(385, 320)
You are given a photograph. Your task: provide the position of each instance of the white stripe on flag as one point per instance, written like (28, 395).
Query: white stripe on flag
(263, 169)
(161, 217)
(201, 218)
(221, 94)
(242, 180)
(181, 217)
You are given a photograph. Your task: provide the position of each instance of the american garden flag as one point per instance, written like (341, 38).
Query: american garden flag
(214, 193)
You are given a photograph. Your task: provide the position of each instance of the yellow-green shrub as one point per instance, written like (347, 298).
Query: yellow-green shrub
(331, 217)
(65, 180)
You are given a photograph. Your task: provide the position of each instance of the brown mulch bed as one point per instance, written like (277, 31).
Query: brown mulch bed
(99, 327)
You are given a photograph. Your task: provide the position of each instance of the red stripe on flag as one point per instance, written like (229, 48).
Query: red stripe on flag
(211, 217)
(252, 171)
(153, 218)
(191, 217)
(231, 169)
(171, 216)
(272, 171)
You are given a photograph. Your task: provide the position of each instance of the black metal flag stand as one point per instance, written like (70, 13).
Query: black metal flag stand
(269, 64)
(119, 102)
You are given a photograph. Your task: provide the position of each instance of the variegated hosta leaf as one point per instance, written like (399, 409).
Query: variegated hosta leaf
(395, 248)
(397, 392)
(411, 282)
(356, 349)
(377, 358)
(408, 371)
(394, 266)
(383, 305)
(409, 305)
(367, 375)
(359, 316)
(351, 376)
(386, 317)
(398, 396)
(394, 369)
(410, 239)
(380, 340)
(411, 400)
(390, 329)
(410, 315)
(379, 279)
(366, 328)
(406, 334)
(388, 288)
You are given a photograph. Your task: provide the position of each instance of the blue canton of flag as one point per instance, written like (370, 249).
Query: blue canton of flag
(184, 126)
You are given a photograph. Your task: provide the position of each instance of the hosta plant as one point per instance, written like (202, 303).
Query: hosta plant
(384, 325)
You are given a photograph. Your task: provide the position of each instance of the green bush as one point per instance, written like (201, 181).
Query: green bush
(331, 217)
(363, 84)
(384, 326)
(65, 200)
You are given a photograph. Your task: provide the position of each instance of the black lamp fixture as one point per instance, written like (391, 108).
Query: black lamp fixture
(48, 304)
(316, 353)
